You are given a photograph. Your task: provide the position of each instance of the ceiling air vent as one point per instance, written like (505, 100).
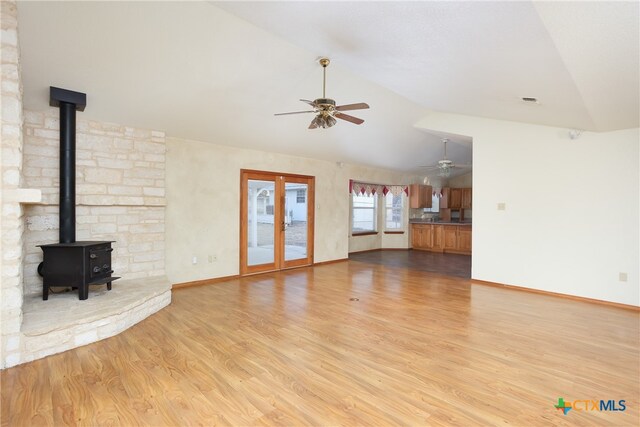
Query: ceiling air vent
(530, 100)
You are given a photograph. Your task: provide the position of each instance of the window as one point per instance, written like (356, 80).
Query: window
(435, 203)
(393, 211)
(364, 213)
(301, 196)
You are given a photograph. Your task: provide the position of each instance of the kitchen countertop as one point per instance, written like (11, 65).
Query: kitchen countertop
(426, 221)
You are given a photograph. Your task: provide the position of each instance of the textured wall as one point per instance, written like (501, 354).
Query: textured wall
(12, 221)
(120, 186)
(203, 191)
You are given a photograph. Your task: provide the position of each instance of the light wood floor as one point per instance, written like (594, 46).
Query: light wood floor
(292, 348)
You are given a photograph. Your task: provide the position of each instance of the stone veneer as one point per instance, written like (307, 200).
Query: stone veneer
(120, 196)
(120, 192)
(11, 162)
(104, 314)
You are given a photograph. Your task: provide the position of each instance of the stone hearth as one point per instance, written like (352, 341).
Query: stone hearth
(64, 322)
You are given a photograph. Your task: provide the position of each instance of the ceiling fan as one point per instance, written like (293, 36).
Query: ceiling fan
(445, 166)
(326, 109)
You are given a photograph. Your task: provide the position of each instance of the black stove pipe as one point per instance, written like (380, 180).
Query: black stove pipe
(69, 102)
(67, 173)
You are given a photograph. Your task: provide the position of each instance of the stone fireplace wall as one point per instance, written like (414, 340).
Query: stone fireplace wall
(120, 196)
(120, 192)
(12, 212)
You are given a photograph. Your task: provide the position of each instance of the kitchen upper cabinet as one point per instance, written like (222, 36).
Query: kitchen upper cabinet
(455, 201)
(420, 196)
(466, 198)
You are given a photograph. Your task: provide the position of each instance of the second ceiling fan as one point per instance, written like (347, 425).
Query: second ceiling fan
(326, 109)
(445, 166)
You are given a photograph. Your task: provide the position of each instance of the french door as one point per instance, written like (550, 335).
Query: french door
(276, 221)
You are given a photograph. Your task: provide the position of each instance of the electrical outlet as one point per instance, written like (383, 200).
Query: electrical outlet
(502, 206)
(622, 277)
(194, 260)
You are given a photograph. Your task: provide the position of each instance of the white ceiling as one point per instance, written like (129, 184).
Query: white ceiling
(217, 72)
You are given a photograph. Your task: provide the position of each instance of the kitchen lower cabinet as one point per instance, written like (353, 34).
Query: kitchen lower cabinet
(417, 235)
(441, 238)
(464, 239)
(450, 238)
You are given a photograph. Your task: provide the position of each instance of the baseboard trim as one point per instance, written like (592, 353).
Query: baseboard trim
(203, 282)
(333, 261)
(380, 249)
(556, 294)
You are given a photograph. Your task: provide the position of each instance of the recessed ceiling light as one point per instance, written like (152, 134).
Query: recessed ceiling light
(530, 100)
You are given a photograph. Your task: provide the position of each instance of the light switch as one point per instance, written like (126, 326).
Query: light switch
(502, 206)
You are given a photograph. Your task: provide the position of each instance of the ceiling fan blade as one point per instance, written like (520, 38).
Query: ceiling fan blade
(294, 112)
(461, 166)
(348, 107)
(349, 118)
(313, 104)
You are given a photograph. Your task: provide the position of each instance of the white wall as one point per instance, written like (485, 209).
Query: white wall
(461, 181)
(571, 219)
(203, 205)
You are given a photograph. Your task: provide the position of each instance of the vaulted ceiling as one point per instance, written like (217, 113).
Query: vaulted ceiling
(217, 71)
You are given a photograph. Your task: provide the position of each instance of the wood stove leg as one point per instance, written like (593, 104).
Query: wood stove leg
(83, 291)
(45, 292)
(108, 286)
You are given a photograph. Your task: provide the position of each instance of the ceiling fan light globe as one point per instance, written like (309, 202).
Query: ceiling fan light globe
(318, 121)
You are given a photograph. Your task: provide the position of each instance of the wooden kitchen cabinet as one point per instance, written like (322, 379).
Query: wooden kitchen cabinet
(441, 238)
(417, 236)
(455, 201)
(422, 236)
(420, 196)
(464, 239)
(436, 237)
(450, 242)
(466, 198)
(433, 238)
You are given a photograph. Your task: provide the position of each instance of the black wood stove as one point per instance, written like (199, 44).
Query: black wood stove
(70, 263)
(77, 264)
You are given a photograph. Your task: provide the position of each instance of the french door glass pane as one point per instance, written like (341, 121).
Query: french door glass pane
(295, 219)
(260, 222)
